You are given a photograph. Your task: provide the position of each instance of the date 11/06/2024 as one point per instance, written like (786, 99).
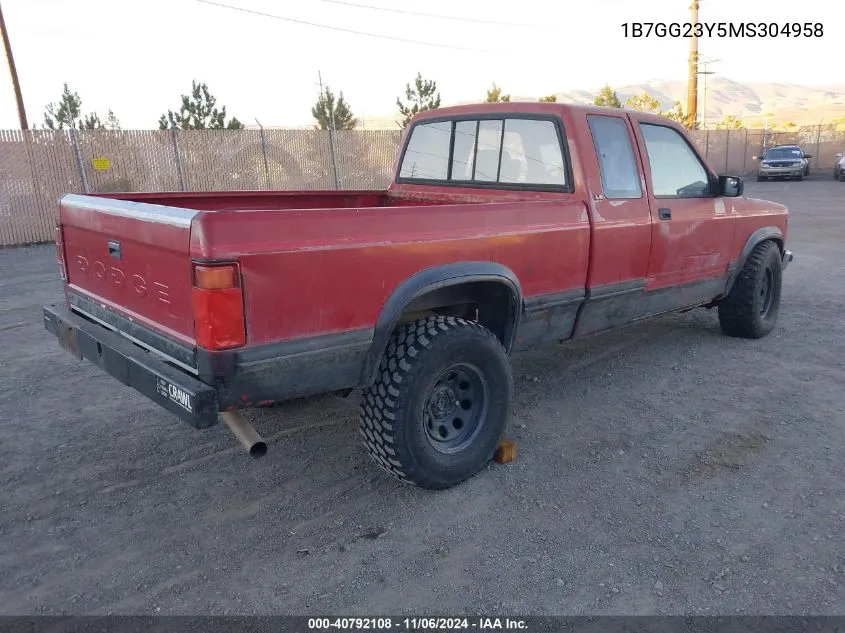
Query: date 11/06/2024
(418, 624)
(722, 29)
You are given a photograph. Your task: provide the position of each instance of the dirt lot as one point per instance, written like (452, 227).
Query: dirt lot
(661, 469)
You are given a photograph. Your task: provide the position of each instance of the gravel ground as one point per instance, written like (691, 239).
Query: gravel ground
(662, 469)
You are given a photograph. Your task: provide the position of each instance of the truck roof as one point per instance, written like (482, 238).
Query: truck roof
(532, 107)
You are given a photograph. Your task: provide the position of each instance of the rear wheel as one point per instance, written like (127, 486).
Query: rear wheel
(751, 308)
(438, 408)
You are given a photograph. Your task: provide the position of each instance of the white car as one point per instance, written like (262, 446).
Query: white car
(839, 167)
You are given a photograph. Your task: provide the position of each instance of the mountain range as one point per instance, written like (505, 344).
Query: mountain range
(758, 104)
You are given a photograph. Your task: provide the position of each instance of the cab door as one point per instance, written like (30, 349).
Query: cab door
(692, 226)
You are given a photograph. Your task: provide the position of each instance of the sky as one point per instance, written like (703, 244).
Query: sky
(136, 57)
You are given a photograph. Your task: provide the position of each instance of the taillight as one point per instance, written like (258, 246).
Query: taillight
(60, 257)
(218, 306)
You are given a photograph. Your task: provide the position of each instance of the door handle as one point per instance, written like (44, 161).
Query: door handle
(664, 214)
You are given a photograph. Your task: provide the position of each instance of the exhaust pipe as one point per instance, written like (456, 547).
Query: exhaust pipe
(245, 432)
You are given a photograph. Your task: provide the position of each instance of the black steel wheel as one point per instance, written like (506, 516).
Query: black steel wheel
(751, 308)
(456, 407)
(438, 407)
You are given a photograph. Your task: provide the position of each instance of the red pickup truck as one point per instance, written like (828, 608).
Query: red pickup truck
(506, 225)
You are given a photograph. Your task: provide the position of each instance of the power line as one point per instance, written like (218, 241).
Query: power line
(435, 15)
(343, 30)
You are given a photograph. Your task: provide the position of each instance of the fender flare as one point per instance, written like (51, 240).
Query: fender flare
(772, 233)
(431, 279)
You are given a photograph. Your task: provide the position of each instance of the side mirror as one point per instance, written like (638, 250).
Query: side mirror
(839, 156)
(808, 155)
(731, 186)
(757, 157)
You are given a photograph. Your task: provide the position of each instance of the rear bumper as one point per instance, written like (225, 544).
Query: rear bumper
(183, 395)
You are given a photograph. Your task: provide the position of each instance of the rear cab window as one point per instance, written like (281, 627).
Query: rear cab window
(427, 154)
(507, 152)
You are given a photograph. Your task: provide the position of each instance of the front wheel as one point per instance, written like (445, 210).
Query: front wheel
(751, 308)
(437, 410)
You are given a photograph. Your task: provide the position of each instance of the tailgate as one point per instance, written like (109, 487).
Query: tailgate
(130, 263)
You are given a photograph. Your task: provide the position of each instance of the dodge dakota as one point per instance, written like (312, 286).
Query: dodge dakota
(506, 225)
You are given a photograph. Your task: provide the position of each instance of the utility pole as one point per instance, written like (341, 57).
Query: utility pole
(705, 72)
(13, 71)
(692, 79)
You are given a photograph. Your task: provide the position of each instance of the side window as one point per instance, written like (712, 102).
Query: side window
(675, 169)
(531, 153)
(620, 177)
(427, 154)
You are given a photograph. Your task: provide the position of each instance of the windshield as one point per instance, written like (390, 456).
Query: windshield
(782, 153)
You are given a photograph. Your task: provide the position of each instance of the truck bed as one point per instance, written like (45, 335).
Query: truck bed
(286, 200)
(311, 262)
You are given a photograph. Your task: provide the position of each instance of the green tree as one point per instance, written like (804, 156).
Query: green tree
(331, 112)
(494, 95)
(608, 98)
(677, 114)
(548, 99)
(198, 112)
(63, 113)
(729, 122)
(67, 113)
(644, 103)
(90, 122)
(423, 96)
(112, 122)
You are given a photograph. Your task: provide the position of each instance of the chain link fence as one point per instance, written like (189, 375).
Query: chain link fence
(37, 167)
(734, 151)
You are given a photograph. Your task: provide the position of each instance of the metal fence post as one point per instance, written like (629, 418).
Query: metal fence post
(178, 157)
(264, 153)
(818, 143)
(79, 163)
(727, 148)
(745, 152)
(706, 143)
(332, 141)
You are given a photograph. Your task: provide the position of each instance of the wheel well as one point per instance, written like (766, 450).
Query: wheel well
(490, 303)
(777, 240)
(744, 255)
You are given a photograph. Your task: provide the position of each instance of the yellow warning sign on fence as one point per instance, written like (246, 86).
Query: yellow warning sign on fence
(102, 164)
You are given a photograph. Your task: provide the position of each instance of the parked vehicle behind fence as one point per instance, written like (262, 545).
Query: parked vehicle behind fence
(784, 161)
(839, 167)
